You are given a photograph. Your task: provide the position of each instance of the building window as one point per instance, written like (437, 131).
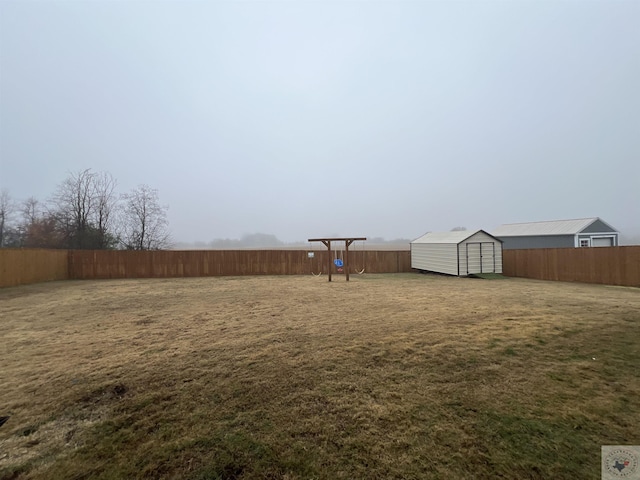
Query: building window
(584, 242)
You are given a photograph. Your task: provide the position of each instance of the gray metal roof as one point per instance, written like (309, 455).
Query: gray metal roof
(556, 227)
(447, 237)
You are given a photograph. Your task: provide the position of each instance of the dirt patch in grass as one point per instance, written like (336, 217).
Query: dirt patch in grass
(388, 376)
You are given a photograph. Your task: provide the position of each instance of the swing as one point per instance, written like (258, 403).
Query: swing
(311, 255)
(338, 262)
(360, 272)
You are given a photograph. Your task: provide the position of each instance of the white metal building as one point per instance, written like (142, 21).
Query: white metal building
(457, 253)
(582, 232)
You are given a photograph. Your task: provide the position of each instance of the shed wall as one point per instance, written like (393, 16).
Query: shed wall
(499, 258)
(435, 257)
(538, 241)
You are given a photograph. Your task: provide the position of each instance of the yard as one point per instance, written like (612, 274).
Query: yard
(388, 376)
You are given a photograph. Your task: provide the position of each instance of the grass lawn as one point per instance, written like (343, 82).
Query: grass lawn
(387, 376)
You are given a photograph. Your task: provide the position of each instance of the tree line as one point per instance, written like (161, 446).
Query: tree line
(86, 212)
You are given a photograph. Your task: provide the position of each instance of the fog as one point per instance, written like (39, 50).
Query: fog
(305, 119)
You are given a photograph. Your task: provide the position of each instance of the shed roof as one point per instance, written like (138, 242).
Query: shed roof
(448, 237)
(555, 227)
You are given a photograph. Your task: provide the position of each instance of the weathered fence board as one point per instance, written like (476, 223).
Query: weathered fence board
(90, 264)
(606, 265)
(31, 265)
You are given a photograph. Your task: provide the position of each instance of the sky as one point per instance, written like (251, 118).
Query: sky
(306, 118)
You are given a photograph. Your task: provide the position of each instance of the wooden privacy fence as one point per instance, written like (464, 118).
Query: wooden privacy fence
(610, 265)
(90, 264)
(25, 266)
(607, 265)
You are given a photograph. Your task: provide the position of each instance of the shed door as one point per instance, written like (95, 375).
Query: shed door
(474, 258)
(488, 250)
(481, 257)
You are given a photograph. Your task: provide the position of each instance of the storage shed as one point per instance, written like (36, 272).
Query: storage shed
(581, 232)
(457, 253)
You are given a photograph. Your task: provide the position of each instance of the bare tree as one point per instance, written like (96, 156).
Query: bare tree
(7, 208)
(105, 203)
(30, 210)
(25, 224)
(459, 229)
(145, 225)
(31, 213)
(83, 207)
(73, 205)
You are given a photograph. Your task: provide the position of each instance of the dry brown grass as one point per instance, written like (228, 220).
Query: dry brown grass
(389, 376)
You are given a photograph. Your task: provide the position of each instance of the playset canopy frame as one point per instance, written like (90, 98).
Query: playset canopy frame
(347, 241)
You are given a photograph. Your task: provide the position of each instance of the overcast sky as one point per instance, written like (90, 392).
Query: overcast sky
(304, 119)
